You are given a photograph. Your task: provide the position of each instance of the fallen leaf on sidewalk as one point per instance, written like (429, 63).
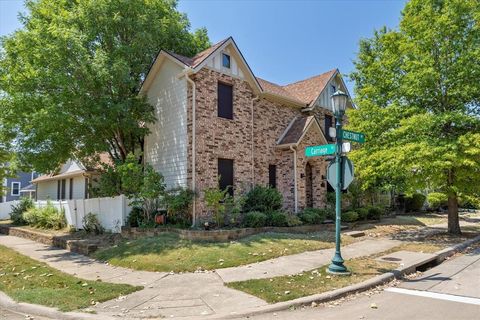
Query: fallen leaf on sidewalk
(373, 306)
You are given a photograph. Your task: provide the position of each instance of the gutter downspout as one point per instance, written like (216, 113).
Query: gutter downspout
(295, 177)
(257, 98)
(186, 73)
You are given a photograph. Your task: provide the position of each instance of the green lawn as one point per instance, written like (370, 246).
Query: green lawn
(286, 288)
(167, 252)
(27, 280)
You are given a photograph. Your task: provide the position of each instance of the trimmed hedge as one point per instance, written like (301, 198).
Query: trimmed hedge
(313, 215)
(255, 219)
(350, 216)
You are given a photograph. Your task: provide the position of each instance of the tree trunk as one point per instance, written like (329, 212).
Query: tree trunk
(453, 221)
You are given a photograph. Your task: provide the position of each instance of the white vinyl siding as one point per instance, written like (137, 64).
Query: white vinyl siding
(47, 190)
(166, 145)
(216, 62)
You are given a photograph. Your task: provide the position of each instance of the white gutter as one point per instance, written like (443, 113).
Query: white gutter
(295, 177)
(186, 73)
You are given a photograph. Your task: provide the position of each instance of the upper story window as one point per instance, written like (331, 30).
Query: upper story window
(328, 125)
(225, 101)
(226, 60)
(333, 89)
(15, 189)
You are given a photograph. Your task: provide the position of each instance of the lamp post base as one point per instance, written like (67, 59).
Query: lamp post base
(337, 267)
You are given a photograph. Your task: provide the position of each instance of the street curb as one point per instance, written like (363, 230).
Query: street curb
(439, 257)
(42, 311)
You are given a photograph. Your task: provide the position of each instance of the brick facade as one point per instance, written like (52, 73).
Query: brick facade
(252, 146)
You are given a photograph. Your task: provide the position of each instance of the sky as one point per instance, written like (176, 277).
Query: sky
(283, 41)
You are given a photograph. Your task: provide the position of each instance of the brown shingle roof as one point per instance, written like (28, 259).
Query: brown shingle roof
(296, 130)
(199, 57)
(308, 90)
(276, 89)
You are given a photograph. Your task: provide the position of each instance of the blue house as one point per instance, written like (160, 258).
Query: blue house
(19, 186)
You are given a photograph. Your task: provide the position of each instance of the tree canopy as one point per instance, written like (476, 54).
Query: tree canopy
(418, 92)
(70, 77)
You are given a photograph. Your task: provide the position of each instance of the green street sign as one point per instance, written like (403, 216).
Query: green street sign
(347, 173)
(353, 136)
(322, 150)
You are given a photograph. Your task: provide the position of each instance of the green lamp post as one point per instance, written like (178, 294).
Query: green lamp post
(339, 102)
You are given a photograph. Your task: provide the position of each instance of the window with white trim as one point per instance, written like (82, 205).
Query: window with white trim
(15, 188)
(226, 60)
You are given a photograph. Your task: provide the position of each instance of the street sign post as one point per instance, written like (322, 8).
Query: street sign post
(353, 136)
(322, 150)
(347, 171)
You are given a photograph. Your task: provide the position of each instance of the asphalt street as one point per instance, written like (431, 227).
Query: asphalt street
(449, 291)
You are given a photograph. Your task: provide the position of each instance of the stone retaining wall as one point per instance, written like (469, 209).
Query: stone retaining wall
(221, 235)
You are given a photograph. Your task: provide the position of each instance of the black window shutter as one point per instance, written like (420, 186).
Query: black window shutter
(62, 194)
(71, 189)
(225, 171)
(225, 101)
(58, 189)
(272, 176)
(328, 124)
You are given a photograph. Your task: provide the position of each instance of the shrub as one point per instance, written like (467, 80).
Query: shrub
(263, 199)
(277, 219)
(178, 202)
(91, 224)
(350, 216)
(374, 213)
(313, 215)
(216, 200)
(17, 211)
(436, 200)
(414, 202)
(254, 219)
(362, 213)
(135, 218)
(47, 217)
(293, 220)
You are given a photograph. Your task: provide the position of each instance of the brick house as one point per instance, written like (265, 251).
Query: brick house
(215, 118)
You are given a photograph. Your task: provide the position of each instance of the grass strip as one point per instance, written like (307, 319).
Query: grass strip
(284, 288)
(167, 252)
(28, 280)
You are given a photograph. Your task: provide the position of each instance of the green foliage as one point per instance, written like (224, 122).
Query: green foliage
(277, 219)
(179, 204)
(135, 218)
(293, 220)
(215, 200)
(91, 224)
(140, 183)
(263, 199)
(74, 73)
(17, 211)
(436, 200)
(313, 215)
(414, 202)
(375, 213)
(255, 219)
(362, 213)
(350, 216)
(418, 96)
(47, 217)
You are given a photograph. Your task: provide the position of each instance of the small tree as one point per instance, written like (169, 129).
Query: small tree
(217, 200)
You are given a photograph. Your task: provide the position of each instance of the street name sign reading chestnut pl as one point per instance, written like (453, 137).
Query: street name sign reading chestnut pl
(353, 136)
(323, 150)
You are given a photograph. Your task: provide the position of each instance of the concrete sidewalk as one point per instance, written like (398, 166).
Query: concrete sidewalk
(187, 294)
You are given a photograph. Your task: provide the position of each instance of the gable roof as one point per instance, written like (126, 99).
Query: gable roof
(302, 93)
(297, 129)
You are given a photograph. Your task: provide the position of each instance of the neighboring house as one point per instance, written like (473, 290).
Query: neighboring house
(19, 186)
(217, 123)
(71, 181)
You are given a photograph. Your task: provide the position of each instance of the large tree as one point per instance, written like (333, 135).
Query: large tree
(418, 92)
(70, 78)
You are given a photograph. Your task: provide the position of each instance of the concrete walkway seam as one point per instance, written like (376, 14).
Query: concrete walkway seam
(43, 311)
(439, 257)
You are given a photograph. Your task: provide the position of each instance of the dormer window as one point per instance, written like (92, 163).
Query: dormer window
(226, 60)
(333, 88)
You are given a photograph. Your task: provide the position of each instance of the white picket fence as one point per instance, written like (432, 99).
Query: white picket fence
(111, 212)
